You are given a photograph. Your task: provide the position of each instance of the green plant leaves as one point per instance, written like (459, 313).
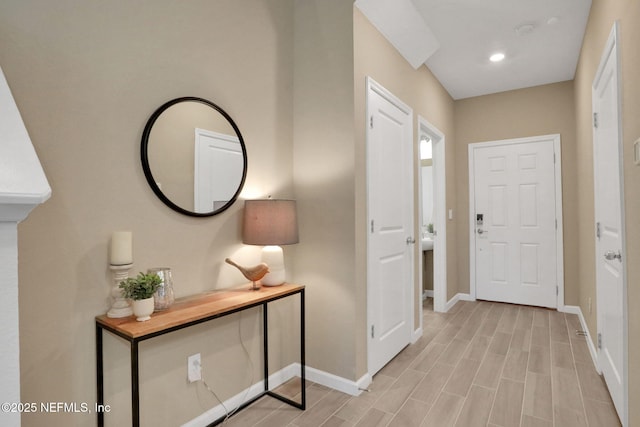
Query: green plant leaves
(142, 286)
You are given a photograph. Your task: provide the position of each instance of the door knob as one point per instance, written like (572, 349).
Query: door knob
(410, 240)
(610, 255)
(481, 231)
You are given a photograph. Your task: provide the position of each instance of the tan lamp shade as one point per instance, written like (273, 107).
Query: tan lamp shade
(270, 222)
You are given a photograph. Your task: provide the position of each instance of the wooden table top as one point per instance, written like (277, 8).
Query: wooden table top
(197, 307)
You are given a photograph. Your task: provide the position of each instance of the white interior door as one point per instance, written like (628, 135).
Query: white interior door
(218, 169)
(390, 208)
(513, 220)
(610, 260)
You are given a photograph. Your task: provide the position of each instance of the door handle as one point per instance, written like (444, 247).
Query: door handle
(610, 256)
(481, 231)
(410, 240)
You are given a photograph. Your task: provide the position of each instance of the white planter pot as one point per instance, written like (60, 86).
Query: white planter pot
(142, 309)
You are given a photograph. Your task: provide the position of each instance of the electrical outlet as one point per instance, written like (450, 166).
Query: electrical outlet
(194, 368)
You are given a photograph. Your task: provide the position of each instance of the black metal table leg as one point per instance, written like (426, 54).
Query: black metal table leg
(135, 385)
(99, 375)
(303, 394)
(265, 346)
(302, 353)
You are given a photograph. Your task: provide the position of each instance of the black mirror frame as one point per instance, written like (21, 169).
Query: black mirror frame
(147, 169)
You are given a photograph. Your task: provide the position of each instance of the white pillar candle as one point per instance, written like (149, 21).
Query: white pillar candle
(121, 248)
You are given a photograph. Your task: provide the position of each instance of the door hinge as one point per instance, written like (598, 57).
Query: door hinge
(554, 158)
(372, 331)
(598, 230)
(371, 122)
(556, 223)
(557, 290)
(372, 226)
(599, 340)
(595, 120)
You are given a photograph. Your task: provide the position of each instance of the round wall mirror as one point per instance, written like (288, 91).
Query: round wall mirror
(193, 156)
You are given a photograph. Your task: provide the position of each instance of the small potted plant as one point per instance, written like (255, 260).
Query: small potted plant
(430, 228)
(140, 289)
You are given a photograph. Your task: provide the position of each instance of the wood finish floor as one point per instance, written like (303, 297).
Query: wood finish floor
(481, 364)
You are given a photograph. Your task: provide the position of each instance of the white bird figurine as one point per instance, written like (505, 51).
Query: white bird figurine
(254, 273)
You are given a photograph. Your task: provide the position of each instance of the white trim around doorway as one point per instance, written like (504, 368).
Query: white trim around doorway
(440, 215)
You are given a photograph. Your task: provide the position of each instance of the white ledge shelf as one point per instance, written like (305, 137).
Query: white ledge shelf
(23, 184)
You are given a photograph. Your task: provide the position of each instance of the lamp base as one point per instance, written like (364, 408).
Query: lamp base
(273, 278)
(273, 257)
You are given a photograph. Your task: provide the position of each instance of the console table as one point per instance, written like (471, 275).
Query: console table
(191, 311)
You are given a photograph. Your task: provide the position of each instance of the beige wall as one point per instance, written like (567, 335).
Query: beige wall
(86, 76)
(329, 170)
(324, 182)
(541, 110)
(375, 57)
(603, 14)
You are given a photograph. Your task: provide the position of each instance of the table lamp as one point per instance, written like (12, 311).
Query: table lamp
(270, 223)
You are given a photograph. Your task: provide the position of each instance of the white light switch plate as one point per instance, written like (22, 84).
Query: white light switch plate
(194, 371)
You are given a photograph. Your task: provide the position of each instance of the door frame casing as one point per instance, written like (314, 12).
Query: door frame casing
(612, 48)
(372, 85)
(555, 138)
(440, 200)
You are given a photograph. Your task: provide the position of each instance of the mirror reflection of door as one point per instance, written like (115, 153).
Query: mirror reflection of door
(218, 169)
(170, 157)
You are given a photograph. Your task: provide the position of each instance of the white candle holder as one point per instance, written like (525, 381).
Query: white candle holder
(120, 307)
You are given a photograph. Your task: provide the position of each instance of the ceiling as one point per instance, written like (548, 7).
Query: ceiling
(541, 40)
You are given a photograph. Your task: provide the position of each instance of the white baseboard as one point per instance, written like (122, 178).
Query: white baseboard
(232, 403)
(455, 299)
(415, 336)
(574, 309)
(427, 294)
(354, 388)
(335, 382)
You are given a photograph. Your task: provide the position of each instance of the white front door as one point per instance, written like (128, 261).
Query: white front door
(610, 260)
(390, 228)
(513, 220)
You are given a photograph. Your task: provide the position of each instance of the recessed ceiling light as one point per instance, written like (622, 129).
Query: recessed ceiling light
(524, 29)
(496, 57)
(553, 20)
